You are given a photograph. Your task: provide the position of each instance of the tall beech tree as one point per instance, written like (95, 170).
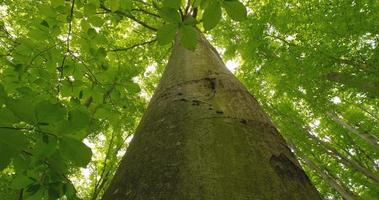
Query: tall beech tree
(204, 136)
(76, 77)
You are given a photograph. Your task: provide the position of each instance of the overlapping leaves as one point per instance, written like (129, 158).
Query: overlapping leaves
(42, 138)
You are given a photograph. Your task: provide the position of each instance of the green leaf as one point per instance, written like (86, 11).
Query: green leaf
(166, 34)
(90, 9)
(22, 109)
(133, 88)
(95, 21)
(126, 5)
(55, 191)
(5, 158)
(188, 37)
(100, 54)
(75, 151)
(7, 118)
(212, 15)
(21, 163)
(77, 124)
(91, 32)
(3, 94)
(189, 20)
(198, 3)
(94, 2)
(11, 143)
(47, 148)
(114, 5)
(47, 112)
(170, 15)
(21, 181)
(175, 4)
(69, 190)
(57, 3)
(34, 192)
(235, 9)
(57, 163)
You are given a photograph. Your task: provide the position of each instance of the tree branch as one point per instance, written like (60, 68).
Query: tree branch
(146, 12)
(60, 69)
(133, 46)
(130, 16)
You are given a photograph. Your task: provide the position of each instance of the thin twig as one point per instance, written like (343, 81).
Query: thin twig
(134, 46)
(60, 69)
(146, 12)
(130, 16)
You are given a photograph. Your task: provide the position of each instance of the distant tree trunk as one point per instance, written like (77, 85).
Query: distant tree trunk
(331, 150)
(326, 176)
(347, 162)
(204, 137)
(369, 138)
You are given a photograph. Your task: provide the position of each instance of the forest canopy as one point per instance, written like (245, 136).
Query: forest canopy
(76, 76)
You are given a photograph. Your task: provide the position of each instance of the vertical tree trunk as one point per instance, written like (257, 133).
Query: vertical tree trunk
(346, 161)
(331, 150)
(369, 138)
(326, 176)
(204, 137)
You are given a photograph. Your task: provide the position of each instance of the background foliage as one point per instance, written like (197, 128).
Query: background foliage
(76, 75)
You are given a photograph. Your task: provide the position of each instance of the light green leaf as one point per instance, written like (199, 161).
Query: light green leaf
(212, 15)
(114, 5)
(235, 9)
(90, 9)
(133, 88)
(75, 151)
(175, 4)
(126, 5)
(166, 34)
(188, 37)
(95, 2)
(56, 3)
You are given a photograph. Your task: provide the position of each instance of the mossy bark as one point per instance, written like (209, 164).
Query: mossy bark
(204, 137)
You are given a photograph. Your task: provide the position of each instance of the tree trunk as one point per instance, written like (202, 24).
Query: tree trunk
(204, 137)
(369, 138)
(326, 176)
(331, 150)
(347, 162)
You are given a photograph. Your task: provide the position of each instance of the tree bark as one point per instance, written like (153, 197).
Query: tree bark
(204, 137)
